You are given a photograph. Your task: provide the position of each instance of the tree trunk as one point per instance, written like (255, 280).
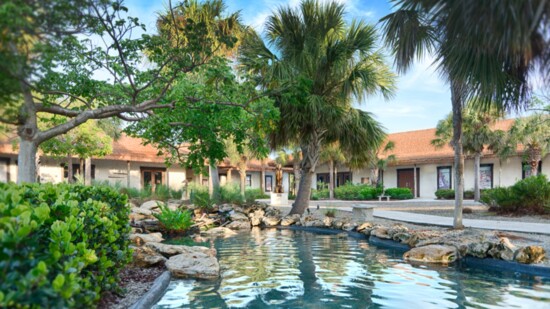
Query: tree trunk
(26, 161)
(310, 152)
(534, 158)
(88, 171)
(301, 202)
(262, 177)
(242, 173)
(229, 176)
(81, 163)
(70, 171)
(477, 175)
(213, 181)
(457, 100)
(331, 179)
(297, 176)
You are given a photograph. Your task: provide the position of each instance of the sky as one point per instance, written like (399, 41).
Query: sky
(422, 97)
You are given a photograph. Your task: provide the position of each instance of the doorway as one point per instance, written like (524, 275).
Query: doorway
(152, 177)
(405, 179)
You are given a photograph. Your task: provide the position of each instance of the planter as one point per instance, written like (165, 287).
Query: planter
(279, 199)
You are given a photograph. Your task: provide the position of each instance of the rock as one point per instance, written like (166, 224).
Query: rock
(174, 204)
(310, 221)
(403, 238)
(220, 230)
(530, 254)
(142, 211)
(141, 239)
(137, 217)
(504, 250)
(136, 230)
(271, 220)
(337, 224)
(239, 225)
(146, 257)
(271, 211)
(151, 205)
(170, 250)
(395, 229)
(349, 226)
(381, 232)
(151, 225)
(237, 216)
(479, 249)
(290, 220)
(363, 226)
(194, 264)
(225, 207)
(256, 217)
(328, 221)
(432, 254)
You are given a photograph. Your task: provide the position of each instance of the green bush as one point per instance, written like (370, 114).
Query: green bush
(62, 245)
(330, 212)
(319, 194)
(530, 195)
(254, 194)
(399, 193)
(445, 194)
(174, 220)
(230, 193)
(199, 197)
(469, 194)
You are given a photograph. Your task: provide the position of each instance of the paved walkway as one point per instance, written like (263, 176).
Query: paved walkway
(393, 213)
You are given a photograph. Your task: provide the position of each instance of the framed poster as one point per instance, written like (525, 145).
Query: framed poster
(268, 183)
(486, 176)
(444, 177)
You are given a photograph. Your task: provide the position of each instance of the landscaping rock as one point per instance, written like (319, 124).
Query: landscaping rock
(310, 221)
(141, 239)
(328, 221)
(403, 238)
(381, 232)
(146, 257)
(363, 226)
(395, 229)
(290, 220)
(349, 226)
(239, 225)
(150, 225)
(171, 250)
(194, 264)
(337, 224)
(530, 254)
(271, 211)
(271, 220)
(225, 208)
(220, 231)
(174, 204)
(142, 211)
(256, 217)
(432, 254)
(479, 249)
(151, 205)
(237, 216)
(504, 250)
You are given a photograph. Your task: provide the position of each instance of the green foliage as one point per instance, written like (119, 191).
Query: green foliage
(230, 193)
(351, 191)
(530, 195)
(254, 194)
(331, 212)
(174, 220)
(200, 198)
(62, 245)
(399, 193)
(449, 194)
(319, 194)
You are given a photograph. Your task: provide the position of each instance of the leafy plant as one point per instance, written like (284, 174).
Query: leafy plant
(530, 195)
(200, 198)
(330, 212)
(319, 194)
(253, 194)
(174, 220)
(62, 245)
(399, 193)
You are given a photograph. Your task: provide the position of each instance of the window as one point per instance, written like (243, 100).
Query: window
(76, 171)
(268, 183)
(444, 177)
(486, 176)
(322, 180)
(153, 176)
(526, 169)
(249, 180)
(342, 178)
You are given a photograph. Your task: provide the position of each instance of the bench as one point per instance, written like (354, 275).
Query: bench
(363, 212)
(380, 197)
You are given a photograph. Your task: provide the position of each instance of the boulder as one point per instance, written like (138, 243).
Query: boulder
(137, 217)
(256, 217)
(220, 230)
(311, 221)
(403, 237)
(290, 220)
(432, 254)
(239, 225)
(271, 220)
(271, 211)
(237, 216)
(141, 211)
(479, 249)
(337, 224)
(225, 208)
(194, 264)
(530, 254)
(381, 232)
(363, 226)
(349, 226)
(151, 205)
(146, 257)
(141, 239)
(170, 250)
(328, 221)
(504, 250)
(174, 204)
(395, 229)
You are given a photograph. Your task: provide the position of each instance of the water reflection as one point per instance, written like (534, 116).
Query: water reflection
(294, 269)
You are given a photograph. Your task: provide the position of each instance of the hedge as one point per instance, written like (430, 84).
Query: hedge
(62, 245)
(362, 192)
(449, 194)
(529, 195)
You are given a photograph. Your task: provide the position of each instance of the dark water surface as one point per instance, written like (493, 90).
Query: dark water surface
(296, 269)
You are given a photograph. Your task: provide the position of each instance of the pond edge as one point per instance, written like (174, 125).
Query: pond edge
(154, 294)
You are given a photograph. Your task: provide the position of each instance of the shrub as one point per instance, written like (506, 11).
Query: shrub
(174, 220)
(445, 194)
(330, 212)
(319, 194)
(530, 195)
(162, 192)
(399, 193)
(62, 245)
(230, 193)
(468, 194)
(253, 194)
(200, 198)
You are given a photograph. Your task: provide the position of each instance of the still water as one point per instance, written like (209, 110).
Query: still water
(296, 269)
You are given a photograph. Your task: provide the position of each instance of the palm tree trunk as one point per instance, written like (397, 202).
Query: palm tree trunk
(297, 176)
(88, 171)
(242, 173)
(457, 100)
(331, 179)
(310, 152)
(262, 176)
(534, 158)
(477, 162)
(213, 181)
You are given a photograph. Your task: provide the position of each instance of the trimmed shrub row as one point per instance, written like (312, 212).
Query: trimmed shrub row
(449, 194)
(362, 192)
(527, 196)
(62, 245)
(229, 193)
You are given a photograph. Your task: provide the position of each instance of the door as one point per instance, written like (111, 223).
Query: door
(405, 179)
(152, 177)
(342, 178)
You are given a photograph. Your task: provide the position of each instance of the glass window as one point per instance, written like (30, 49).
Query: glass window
(486, 176)
(444, 177)
(249, 180)
(526, 169)
(268, 183)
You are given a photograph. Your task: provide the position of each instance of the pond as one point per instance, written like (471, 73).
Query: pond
(297, 269)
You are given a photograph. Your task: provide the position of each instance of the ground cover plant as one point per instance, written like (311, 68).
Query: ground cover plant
(62, 245)
(527, 196)
(174, 221)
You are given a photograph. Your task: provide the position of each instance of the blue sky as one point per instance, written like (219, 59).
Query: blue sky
(422, 97)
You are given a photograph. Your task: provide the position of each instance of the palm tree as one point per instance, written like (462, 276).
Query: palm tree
(477, 134)
(381, 160)
(484, 48)
(317, 66)
(533, 133)
(332, 154)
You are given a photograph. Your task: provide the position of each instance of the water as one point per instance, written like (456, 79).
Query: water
(296, 269)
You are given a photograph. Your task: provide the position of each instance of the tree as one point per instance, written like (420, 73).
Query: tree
(533, 133)
(382, 159)
(85, 141)
(318, 65)
(477, 136)
(331, 154)
(483, 48)
(55, 52)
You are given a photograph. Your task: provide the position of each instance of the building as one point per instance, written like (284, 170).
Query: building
(132, 164)
(434, 167)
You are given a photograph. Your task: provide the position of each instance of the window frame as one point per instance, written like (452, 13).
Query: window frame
(492, 175)
(450, 168)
